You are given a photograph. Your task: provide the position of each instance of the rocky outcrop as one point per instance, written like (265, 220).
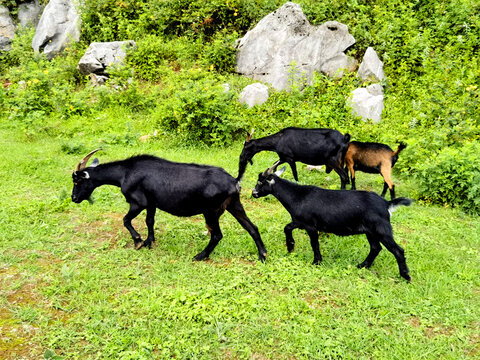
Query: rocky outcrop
(284, 45)
(59, 25)
(100, 55)
(29, 13)
(368, 102)
(7, 29)
(371, 67)
(254, 94)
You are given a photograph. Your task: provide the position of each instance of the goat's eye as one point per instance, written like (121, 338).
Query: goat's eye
(75, 183)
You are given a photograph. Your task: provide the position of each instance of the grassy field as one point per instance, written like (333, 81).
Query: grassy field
(73, 287)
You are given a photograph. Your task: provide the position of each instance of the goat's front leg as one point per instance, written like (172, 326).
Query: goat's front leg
(135, 209)
(150, 221)
(317, 256)
(290, 241)
(293, 165)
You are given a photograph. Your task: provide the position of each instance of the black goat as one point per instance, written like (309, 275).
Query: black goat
(310, 146)
(148, 182)
(373, 158)
(335, 211)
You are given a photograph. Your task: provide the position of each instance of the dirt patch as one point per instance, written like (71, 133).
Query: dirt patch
(16, 336)
(431, 331)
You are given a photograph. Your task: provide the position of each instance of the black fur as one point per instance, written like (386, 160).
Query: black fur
(340, 212)
(149, 182)
(309, 146)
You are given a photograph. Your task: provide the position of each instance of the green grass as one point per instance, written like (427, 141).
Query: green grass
(71, 283)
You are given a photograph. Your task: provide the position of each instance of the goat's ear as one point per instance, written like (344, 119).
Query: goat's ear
(95, 162)
(280, 172)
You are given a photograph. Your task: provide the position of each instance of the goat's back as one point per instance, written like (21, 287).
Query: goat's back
(341, 212)
(312, 146)
(182, 189)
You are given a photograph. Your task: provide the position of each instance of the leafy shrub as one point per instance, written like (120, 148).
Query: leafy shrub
(153, 54)
(219, 54)
(201, 111)
(453, 177)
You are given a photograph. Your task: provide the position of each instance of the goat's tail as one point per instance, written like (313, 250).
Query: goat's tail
(393, 204)
(401, 146)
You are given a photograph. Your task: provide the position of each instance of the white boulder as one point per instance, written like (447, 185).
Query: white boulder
(58, 25)
(7, 29)
(371, 67)
(284, 45)
(100, 55)
(368, 102)
(29, 13)
(254, 94)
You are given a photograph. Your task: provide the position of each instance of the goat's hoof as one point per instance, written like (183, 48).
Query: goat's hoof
(147, 244)
(364, 265)
(262, 256)
(406, 277)
(316, 261)
(200, 256)
(139, 244)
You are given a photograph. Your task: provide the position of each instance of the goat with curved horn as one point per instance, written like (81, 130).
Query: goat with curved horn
(249, 136)
(271, 169)
(83, 163)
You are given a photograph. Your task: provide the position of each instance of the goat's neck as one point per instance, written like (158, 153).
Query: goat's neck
(108, 174)
(267, 143)
(286, 192)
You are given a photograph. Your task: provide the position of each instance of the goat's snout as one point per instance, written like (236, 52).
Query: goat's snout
(255, 193)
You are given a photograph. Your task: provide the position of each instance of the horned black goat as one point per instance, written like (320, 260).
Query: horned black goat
(309, 146)
(149, 182)
(340, 212)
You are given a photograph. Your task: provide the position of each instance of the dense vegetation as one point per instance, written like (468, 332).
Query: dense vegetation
(72, 281)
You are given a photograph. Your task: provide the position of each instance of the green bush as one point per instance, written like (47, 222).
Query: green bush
(219, 54)
(201, 111)
(453, 177)
(153, 55)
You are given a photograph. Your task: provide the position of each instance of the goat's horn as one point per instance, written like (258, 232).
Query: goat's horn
(270, 169)
(81, 165)
(249, 136)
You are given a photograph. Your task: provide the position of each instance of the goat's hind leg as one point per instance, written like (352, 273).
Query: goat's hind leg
(133, 212)
(375, 249)
(150, 221)
(235, 208)
(211, 219)
(398, 252)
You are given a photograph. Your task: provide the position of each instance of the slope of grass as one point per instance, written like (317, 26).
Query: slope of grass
(72, 284)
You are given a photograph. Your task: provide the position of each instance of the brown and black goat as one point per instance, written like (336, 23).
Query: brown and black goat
(373, 158)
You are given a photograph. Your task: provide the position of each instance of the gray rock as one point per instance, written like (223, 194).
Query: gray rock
(98, 80)
(100, 55)
(29, 13)
(284, 45)
(368, 102)
(7, 29)
(58, 26)
(371, 67)
(254, 94)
